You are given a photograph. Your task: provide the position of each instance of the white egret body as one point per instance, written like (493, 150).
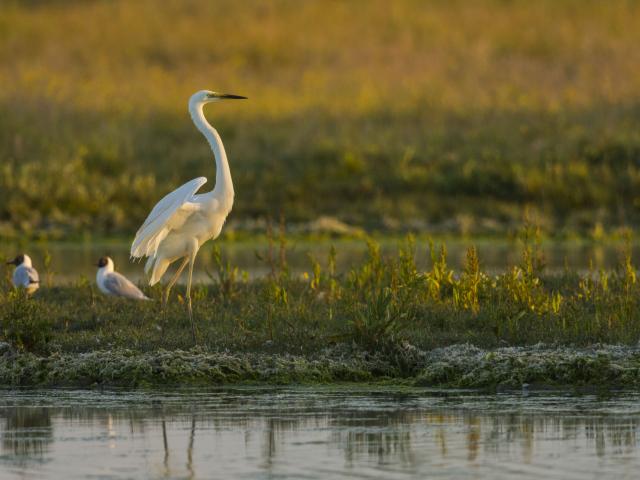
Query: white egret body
(25, 276)
(183, 220)
(113, 283)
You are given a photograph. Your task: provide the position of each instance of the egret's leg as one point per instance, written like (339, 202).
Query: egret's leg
(192, 260)
(174, 279)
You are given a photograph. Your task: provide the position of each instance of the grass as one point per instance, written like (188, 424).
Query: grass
(423, 116)
(381, 302)
(384, 320)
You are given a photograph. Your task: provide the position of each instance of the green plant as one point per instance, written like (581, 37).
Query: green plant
(226, 275)
(25, 323)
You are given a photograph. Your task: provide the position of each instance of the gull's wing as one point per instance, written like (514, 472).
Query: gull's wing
(169, 213)
(33, 275)
(25, 276)
(121, 286)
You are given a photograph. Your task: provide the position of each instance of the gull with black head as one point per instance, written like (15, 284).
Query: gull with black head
(25, 276)
(115, 284)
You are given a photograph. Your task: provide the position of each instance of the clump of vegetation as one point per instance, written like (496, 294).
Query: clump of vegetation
(25, 324)
(601, 367)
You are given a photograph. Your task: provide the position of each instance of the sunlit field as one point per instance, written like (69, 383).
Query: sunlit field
(389, 116)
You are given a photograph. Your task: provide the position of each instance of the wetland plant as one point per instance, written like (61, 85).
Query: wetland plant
(382, 301)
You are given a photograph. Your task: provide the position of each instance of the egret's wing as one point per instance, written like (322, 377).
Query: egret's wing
(169, 213)
(25, 276)
(177, 197)
(121, 286)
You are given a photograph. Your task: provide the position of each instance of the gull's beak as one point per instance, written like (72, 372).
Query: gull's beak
(226, 96)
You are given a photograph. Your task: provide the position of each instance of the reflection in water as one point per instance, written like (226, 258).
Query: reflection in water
(294, 433)
(27, 431)
(192, 436)
(166, 447)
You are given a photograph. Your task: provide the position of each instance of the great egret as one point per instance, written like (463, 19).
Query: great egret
(113, 283)
(182, 221)
(25, 276)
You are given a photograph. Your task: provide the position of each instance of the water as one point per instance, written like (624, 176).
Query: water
(317, 433)
(70, 262)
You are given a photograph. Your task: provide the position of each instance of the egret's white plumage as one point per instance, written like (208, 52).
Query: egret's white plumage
(183, 220)
(25, 276)
(113, 283)
(169, 214)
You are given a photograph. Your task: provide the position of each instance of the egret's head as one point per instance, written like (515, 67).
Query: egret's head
(105, 262)
(207, 96)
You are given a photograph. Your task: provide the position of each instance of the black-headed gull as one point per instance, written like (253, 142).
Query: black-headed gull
(25, 276)
(113, 283)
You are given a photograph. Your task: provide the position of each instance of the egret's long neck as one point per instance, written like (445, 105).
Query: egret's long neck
(224, 185)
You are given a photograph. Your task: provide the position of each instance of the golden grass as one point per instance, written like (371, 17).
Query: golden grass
(346, 57)
(379, 113)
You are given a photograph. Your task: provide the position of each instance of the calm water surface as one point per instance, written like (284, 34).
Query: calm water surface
(70, 262)
(317, 433)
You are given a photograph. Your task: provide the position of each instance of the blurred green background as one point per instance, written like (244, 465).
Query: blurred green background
(429, 116)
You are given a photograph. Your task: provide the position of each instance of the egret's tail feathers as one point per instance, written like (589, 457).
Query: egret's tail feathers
(146, 242)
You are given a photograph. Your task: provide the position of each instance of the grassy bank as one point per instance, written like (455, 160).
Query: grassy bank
(435, 116)
(382, 319)
(381, 299)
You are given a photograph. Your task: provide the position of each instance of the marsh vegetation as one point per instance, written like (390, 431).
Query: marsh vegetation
(439, 116)
(382, 300)
(382, 319)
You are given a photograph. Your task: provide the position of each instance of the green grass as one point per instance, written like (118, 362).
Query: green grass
(423, 116)
(383, 320)
(382, 302)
